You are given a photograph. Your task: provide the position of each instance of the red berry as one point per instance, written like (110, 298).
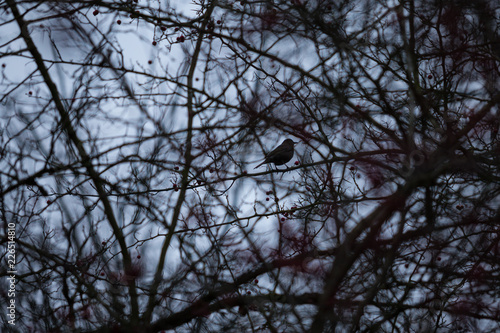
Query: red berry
(197, 79)
(256, 281)
(102, 273)
(139, 256)
(181, 39)
(96, 12)
(283, 219)
(176, 29)
(249, 292)
(429, 76)
(119, 22)
(154, 43)
(267, 199)
(439, 258)
(176, 168)
(103, 243)
(211, 170)
(30, 92)
(49, 202)
(406, 265)
(150, 62)
(3, 65)
(163, 28)
(296, 162)
(219, 21)
(244, 172)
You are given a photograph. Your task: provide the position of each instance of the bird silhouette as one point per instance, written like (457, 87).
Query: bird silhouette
(281, 154)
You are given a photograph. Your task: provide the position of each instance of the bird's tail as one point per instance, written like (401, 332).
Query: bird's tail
(260, 165)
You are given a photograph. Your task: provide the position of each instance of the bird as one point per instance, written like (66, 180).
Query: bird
(281, 154)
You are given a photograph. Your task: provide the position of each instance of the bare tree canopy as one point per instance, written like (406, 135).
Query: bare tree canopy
(130, 131)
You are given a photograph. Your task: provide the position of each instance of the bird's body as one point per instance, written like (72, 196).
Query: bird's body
(280, 155)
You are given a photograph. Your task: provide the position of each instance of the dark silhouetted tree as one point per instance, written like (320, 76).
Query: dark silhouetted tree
(130, 131)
